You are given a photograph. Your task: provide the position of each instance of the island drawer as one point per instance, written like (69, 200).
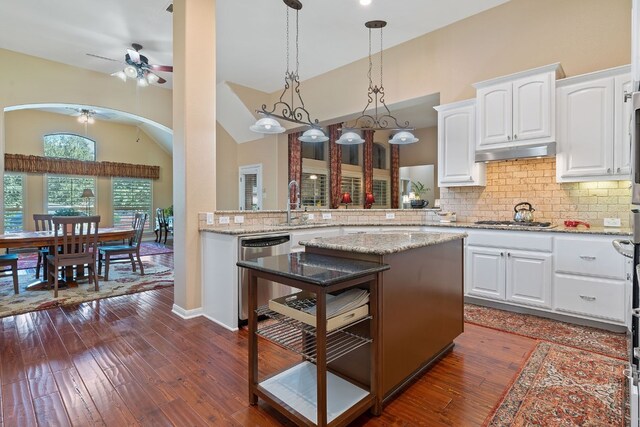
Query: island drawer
(601, 299)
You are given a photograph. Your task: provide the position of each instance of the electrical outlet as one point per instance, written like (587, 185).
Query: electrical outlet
(238, 219)
(391, 215)
(312, 216)
(210, 218)
(612, 222)
(223, 220)
(326, 216)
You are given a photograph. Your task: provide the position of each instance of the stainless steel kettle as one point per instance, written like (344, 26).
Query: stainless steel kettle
(523, 212)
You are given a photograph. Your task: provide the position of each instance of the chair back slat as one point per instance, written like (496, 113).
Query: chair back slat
(76, 236)
(160, 217)
(43, 222)
(138, 225)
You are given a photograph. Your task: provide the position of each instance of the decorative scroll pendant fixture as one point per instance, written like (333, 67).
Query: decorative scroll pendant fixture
(380, 118)
(290, 106)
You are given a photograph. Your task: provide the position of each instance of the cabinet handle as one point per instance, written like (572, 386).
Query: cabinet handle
(509, 254)
(501, 253)
(508, 137)
(515, 136)
(588, 257)
(587, 298)
(618, 170)
(608, 170)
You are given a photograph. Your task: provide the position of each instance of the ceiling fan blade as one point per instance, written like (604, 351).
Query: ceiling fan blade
(167, 68)
(134, 55)
(161, 80)
(102, 57)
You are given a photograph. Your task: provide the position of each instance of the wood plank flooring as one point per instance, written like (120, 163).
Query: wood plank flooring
(129, 361)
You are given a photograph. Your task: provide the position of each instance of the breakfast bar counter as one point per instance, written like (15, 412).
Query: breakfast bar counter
(421, 300)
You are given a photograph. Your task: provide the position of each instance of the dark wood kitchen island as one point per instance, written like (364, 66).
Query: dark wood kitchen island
(421, 301)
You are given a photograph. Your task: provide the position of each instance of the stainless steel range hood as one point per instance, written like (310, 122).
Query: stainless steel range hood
(541, 150)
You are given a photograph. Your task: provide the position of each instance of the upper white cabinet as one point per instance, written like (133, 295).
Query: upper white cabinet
(593, 126)
(518, 109)
(456, 146)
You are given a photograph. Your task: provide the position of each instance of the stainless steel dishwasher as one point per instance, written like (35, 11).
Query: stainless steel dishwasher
(252, 247)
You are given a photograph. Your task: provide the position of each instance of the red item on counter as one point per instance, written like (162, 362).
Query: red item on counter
(570, 223)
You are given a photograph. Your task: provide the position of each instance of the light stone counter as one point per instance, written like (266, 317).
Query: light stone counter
(382, 243)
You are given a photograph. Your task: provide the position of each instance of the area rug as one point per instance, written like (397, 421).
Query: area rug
(121, 281)
(564, 386)
(582, 337)
(30, 259)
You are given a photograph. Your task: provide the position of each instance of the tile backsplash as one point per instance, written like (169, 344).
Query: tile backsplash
(534, 181)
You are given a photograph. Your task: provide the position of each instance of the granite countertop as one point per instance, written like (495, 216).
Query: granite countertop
(321, 270)
(257, 229)
(382, 243)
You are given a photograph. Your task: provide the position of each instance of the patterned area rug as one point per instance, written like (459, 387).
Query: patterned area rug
(121, 281)
(30, 259)
(581, 337)
(564, 386)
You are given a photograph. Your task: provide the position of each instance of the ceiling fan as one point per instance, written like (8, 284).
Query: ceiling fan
(138, 67)
(87, 115)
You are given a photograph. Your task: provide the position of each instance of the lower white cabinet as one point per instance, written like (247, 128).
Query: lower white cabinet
(509, 275)
(312, 233)
(591, 297)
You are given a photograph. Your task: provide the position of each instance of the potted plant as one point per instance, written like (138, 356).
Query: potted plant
(419, 190)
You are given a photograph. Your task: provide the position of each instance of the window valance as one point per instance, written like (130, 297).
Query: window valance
(39, 164)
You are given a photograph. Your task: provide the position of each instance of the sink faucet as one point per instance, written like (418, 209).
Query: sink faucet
(292, 184)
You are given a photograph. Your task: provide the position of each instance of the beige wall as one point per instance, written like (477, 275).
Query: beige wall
(226, 170)
(583, 35)
(424, 152)
(115, 142)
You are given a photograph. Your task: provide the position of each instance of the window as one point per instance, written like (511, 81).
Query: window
(381, 193)
(314, 191)
(313, 150)
(131, 195)
(13, 202)
(65, 192)
(379, 156)
(69, 146)
(350, 155)
(353, 186)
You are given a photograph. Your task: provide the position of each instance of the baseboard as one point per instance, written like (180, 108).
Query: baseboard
(186, 314)
(221, 324)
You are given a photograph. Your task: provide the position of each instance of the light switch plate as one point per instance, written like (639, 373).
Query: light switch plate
(238, 219)
(209, 218)
(326, 216)
(391, 215)
(312, 216)
(223, 220)
(612, 222)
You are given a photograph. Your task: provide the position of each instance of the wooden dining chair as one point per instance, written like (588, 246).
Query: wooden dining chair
(11, 260)
(43, 223)
(162, 226)
(131, 249)
(76, 238)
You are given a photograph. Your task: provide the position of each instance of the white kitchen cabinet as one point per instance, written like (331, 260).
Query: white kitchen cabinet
(485, 272)
(593, 127)
(517, 110)
(456, 146)
(529, 278)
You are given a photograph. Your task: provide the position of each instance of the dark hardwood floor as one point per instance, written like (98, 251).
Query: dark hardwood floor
(129, 361)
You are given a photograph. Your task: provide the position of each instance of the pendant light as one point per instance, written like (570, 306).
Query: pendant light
(295, 111)
(383, 119)
(267, 125)
(349, 137)
(314, 135)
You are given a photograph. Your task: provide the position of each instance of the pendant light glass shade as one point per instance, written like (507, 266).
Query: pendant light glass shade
(267, 125)
(350, 138)
(403, 137)
(313, 135)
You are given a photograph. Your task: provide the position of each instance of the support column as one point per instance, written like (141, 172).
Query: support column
(395, 176)
(335, 166)
(194, 142)
(295, 164)
(367, 163)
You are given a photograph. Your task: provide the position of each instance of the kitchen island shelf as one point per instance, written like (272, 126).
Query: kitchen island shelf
(299, 337)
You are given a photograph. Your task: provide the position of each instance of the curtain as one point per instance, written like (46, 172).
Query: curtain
(295, 163)
(395, 176)
(335, 166)
(367, 162)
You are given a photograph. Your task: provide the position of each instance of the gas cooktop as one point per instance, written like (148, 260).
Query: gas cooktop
(515, 224)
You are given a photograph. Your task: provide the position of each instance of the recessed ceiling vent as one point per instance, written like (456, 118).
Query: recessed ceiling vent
(170, 8)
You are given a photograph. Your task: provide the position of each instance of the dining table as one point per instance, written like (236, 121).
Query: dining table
(38, 239)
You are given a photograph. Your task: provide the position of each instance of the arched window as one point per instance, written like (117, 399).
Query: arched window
(64, 192)
(379, 156)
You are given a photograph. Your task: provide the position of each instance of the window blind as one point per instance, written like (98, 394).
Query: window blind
(250, 191)
(381, 193)
(13, 202)
(314, 192)
(131, 195)
(353, 186)
(65, 192)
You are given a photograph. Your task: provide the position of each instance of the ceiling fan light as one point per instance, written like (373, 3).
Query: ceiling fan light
(365, 2)
(152, 78)
(131, 71)
(91, 120)
(350, 138)
(121, 75)
(142, 82)
(313, 135)
(267, 125)
(403, 137)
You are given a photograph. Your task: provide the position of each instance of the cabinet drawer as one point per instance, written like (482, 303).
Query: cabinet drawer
(528, 241)
(602, 299)
(589, 257)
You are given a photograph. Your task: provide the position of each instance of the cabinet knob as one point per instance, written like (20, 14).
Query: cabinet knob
(515, 136)
(618, 170)
(608, 170)
(508, 137)
(501, 253)
(509, 254)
